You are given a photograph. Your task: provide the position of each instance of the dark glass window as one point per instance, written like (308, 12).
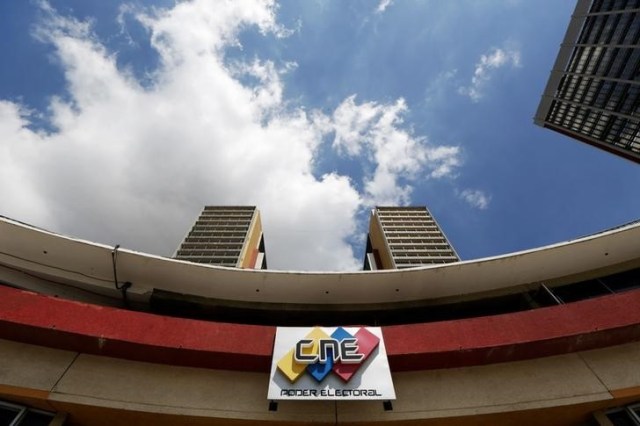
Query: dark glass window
(36, 418)
(8, 412)
(621, 418)
(19, 415)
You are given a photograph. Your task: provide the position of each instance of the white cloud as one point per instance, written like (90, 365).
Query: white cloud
(383, 5)
(133, 164)
(476, 198)
(496, 58)
(374, 132)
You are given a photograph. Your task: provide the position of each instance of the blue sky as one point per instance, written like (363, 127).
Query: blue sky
(119, 120)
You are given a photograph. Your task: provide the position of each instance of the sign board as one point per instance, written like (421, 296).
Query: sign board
(330, 363)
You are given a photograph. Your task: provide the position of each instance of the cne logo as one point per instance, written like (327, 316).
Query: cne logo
(319, 354)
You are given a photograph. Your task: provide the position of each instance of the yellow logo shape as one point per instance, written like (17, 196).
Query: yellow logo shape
(287, 364)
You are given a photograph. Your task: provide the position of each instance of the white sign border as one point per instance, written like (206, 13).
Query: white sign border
(371, 382)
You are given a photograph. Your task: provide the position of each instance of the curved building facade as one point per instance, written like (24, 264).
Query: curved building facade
(92, 334)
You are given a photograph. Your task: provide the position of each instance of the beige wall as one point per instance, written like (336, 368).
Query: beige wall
(104, 391)
(378, 243)
(252, 242)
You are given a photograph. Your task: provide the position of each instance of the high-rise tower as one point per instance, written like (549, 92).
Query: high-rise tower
(226, 236)
(405, 237)
(593, 93)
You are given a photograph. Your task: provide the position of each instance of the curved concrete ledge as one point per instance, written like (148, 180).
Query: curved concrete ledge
(41, 320)
(98, 390)
(28, 254)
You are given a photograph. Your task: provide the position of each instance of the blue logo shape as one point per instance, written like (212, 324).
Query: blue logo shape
(320, 370)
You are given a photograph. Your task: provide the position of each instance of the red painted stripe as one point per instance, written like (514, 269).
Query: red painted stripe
(254, 256)
(81, 327)
(367, 342)
(579, 326)
(75, 326)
